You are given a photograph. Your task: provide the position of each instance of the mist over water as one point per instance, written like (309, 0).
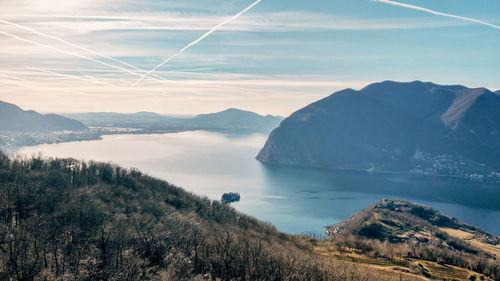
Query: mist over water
(295, 200)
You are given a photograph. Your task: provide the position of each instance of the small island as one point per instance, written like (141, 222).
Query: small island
(231, 197)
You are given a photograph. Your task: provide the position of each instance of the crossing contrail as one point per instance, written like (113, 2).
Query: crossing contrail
(409, 6)
(197, 41)
(73, 45)
(68, 53)
(68, 43)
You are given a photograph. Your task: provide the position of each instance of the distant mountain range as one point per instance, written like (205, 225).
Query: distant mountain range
(229, 119)
(235, 119)
(13, 118)
(129, 120)
(24, 128)
(392, 126)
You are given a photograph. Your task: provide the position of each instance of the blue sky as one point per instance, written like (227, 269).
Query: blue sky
(276, 58)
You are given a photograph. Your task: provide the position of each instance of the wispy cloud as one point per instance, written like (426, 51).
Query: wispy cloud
(68, 52)
(67, 43)
(195, 91)
(258, 22)
(418, 8)
(274, 60)
(58, 39)
(198, 40)
(82, 76)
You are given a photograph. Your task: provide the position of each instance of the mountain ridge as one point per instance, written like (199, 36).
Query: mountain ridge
(230, 119)
(16, 119)
(235, 119)
(385, 125)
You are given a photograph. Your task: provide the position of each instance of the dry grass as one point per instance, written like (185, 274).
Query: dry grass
(358, 258)
(384, 267)
(492, 249)
(445, 271)
(449, 271)
(470, 238)
(398, 267)
(398, 273)
(379, 268)
(460, 234)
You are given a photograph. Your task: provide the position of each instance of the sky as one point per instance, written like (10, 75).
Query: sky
(87, 55)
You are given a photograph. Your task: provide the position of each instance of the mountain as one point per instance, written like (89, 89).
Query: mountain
(416, 239)
(393, 126)
(129, 120)
(63, 219)
(235, 119)
(497, 92)
(231, 119)
(18, 120)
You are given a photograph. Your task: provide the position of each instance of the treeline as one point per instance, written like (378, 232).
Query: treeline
(63, 219)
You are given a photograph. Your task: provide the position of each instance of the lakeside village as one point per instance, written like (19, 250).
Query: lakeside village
(11, 141)
(424, 163)
(451, 165)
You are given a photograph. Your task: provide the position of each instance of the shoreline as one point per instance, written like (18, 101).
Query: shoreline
(383, 172)
(97, 133)
(34, 139)
(94, 133)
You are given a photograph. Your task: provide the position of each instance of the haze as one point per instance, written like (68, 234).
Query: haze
(274, 59)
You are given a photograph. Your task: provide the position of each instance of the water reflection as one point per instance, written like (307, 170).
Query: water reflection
(443, 190)
(294, 199)
(326, 194)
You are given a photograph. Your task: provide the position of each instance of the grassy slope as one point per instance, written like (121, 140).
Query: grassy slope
(417, 269)
(474, 239)
(396, 235)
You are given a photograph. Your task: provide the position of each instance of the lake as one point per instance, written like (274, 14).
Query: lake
(295, 200)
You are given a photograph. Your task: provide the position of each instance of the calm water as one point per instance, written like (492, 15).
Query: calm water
(295, 200)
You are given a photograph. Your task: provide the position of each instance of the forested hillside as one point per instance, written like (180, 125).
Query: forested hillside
(63, 219)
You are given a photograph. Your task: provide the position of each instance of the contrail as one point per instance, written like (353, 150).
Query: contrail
(68, 43)
(96, 80)
(409, 6)
(69, 53)
(87, 77)
(57, 73)
(13, 78)
(197, 40)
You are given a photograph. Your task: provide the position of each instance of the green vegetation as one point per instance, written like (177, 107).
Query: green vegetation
(63, 219)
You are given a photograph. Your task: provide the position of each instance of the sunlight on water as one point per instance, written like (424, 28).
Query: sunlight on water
(295, 200)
